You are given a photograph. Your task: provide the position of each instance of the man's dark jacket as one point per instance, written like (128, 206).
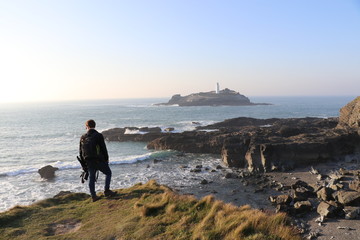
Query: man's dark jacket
(99, 139)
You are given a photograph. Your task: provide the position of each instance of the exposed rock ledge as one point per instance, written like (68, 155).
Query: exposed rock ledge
(266, 144)
(225, 97)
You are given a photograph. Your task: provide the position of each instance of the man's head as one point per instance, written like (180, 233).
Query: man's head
(90, 124)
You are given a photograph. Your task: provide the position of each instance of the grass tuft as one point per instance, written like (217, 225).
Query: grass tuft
(144, 211)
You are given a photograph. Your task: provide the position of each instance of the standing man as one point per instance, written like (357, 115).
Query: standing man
(93, 151)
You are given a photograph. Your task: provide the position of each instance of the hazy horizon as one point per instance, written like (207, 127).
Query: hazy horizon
(92, 50)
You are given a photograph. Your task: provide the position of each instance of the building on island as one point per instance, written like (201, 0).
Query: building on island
(217, 90)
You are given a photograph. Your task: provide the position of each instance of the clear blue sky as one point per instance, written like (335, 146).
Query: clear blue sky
(72, 49)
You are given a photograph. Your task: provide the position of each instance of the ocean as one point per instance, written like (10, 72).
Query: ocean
(34, 135)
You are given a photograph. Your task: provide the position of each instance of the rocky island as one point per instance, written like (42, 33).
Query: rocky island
(225, 97)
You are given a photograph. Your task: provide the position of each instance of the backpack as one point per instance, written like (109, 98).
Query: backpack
(89, 147)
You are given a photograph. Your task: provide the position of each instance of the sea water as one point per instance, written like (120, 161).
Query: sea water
(34, 135)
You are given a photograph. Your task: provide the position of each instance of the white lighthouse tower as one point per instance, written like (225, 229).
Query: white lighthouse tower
(217, 90)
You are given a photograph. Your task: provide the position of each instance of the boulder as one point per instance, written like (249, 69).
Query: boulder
(348, 198)
(47, 172)
(326, 210)
(325, 193)
(302, 194)
(351, 212)
(355, 185)
(281, 199)
(169, 129)
(302, 207)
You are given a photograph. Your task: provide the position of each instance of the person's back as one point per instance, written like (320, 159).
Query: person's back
(93, 150)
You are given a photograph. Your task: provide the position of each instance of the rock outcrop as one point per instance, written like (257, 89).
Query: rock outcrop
(224, 97)
(144, 134)
(350, 114)
(268, 144)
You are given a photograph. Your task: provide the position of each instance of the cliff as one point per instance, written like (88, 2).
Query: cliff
(225, 97)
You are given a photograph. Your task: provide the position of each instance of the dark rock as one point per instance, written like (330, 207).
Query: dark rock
(287, 131)
(299, 184)
(230, 175)
(204, 181)
(351, 212)
(302, 191)
(281, 199)
(283, 208)
(302, 207)
(62, 193)
(348, 172)
(325, 194)
(195, 170)
(302, 194)
(170, 129)
(47, 172)
(355, 185)
(156, 161)
(150, 129)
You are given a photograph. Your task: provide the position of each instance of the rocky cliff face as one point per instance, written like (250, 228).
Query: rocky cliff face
(350, 115)
(285, 144)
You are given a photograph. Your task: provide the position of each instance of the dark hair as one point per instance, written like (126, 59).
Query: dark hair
(90, 123)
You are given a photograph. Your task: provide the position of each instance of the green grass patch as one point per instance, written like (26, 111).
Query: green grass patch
(144, 211)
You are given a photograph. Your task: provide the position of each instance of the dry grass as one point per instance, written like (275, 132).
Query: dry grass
(145, 211)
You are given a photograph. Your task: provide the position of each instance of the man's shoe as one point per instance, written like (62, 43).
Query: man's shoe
(95, 198)
(109, 193)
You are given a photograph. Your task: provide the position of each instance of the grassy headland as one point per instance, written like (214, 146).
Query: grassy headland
(144, 211)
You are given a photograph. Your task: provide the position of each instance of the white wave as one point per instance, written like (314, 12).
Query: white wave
(64, 165)
(209, 130)
(21, 171)
(129, 131)
(132, 159)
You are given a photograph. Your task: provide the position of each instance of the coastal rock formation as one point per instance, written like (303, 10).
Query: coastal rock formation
(350, 114)
(224, 97)
(47, 172)
(268, 144)
(263, 145)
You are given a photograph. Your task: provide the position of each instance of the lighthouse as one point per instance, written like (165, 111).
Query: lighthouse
(217, 90)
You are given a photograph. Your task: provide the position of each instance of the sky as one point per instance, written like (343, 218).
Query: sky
(77, 50)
